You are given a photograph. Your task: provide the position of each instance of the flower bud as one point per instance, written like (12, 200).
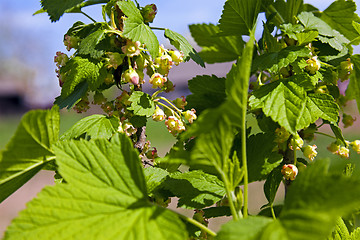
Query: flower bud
(346, 68)
(190, 115)
(313, 65)
(130, 75)
(296, 141)
(61, 59)
(343, 152)
(152, 154)
(180, 102)
(148, 12)
(333, 148)
(131, 48)
(71, 42)
(347, 120)
(310, 152)
(289, 171)
(157, 80)
(158, 115)
(356, 146)
(109, 79)
(281, 135)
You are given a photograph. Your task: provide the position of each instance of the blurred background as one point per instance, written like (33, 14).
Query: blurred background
(28, 80)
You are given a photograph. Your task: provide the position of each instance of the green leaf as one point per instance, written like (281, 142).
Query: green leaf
(353, 90)
(154, 177)
(261, 163)
(276, 60)
(239, 17)
(130, 10)
(207, 92)
(355, 234)
(136, 30)
(340, 15)
(326, 33)
(272, 184)
(244, 229)
(69, 101)
(288, 104)
(216, 48)
(95, 126)
(306, 37)
(88, 46)
(105, 196)
(180, 42)
(141, 104)
(80, 69)
(195, 189)
(338, 133)
(56, 8)
(29, 150)
(341, 232)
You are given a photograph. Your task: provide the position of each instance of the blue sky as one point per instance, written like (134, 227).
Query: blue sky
(34, 39)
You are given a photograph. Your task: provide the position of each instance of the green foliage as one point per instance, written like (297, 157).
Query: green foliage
(207, 92)
(353, 91)
(69, 101)
(183, 45)
(141, 104)
(29, 150)
(216, 48)
(135, 28)
(89, 44)
(94, 126)
(195, 189)
(109, 202)
(80, 69)
(56, 9)
(239, 17)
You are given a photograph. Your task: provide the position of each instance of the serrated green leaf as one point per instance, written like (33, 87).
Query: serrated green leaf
(88, 46)
(340, 15)
(56, 9)
(216, 48)
(136, 30)
(105, 196)
(69, 101)
(141, 104)
(29, 150)
(261, 163)
(341, 232)
(80, 69)
(195, 189)
(95, 126)
(306, 37)
(277, 60)
(180, 42)
(288, 104)
(272, 184)
(353, 90)
(244, 229)
(338, 133)
(154, 177)
(355, 234)
(207, 92)
(326, 33)
(239, 17)
(130, 10)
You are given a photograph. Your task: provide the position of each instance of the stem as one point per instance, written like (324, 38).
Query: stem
(156, 93)
(272, 212)
(88, 16)
(112, 20)
(199, 225)
(177, 115)
(278, 16)
(158, 28)
(230, 195)
(327, 135)
(171, 104)
(244, 164)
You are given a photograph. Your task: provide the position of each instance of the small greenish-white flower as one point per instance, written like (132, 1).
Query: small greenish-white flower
(289, 171)
(131, 48)
(356, 146)
(157, 80)
(313, 65)
(177, 57)
(310, 152)
(343, 152)
(190, 115)
(174, 125)
(129, 129)
(158, 115)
